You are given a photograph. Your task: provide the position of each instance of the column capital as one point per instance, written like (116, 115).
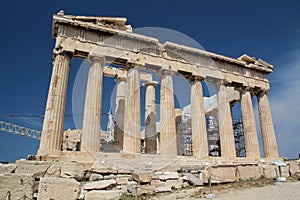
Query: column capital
(194, 78)
(60, 51)
(119, 79)
(91, 59)
(150, 83)
(262, 92)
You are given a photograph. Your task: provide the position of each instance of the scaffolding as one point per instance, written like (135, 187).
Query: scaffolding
(184, 136)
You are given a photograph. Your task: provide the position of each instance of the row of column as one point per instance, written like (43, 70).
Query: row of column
(128, 94)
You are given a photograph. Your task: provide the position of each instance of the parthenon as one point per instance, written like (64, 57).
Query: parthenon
(107, 42)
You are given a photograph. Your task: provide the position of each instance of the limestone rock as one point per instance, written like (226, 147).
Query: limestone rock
(167, 175)
(163, 189)
(74, 170)
(142, 177)
(122, 181)
(177, 184)
(98, 185)
(19, 186)
(7, 168)
(247, 171)
(53, 171)
(96, 177)
(285, 171)
(220, 174)
(58, 189)
(269, 171)
(35, 169)
(103, 195)
(293, 167)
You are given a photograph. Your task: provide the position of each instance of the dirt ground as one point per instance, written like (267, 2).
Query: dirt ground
(253, 190)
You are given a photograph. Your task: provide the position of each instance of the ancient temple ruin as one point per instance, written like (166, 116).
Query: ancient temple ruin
(80, 169)
(106, 40)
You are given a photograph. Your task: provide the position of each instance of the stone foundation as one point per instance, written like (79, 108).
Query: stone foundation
(106, 179)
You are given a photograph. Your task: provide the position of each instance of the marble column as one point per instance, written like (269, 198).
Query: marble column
(199, 134)
(167, 115)
(267, 128)
(119, 112)
(132, 120)
(249, 126)
(51, 138)
(150, 118)
(91, 126)
(225, 123)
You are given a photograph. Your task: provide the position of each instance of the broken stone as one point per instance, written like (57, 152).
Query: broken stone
(35, 169)
(7, 168)
(96, 177)
(58, 189)
(163, 189)
(293, 167)
(177, 184)
(98, 185)
(53, 171)
(142, 177)
(122, 181)
(18, 186)
(167, 175)
(111, 176)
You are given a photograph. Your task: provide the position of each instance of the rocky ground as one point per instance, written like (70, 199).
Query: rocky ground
(252, 189)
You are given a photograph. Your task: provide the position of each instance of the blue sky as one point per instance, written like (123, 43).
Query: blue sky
(269, 30)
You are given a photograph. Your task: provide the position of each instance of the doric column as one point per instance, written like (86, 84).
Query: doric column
(119, 112)
(150, 118)
(91, 126)
(199, 134)
(132, 120)
(53, 125)
(267, 128)
(167, 115)
(225, 123)
(249, 126)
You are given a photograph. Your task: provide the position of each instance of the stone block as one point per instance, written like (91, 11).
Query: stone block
(142, 177)
(96, 177)
(98, 185)
(18, 186)
(101, 169)
(53, 171)
(163, 189)
(177, 184)
(58, 189)
(245, 172)
(293, 167)
(103, 195)
(269, 171)
(220, 174)
(74, 170)
(167, 175)
(34, 169)
(7, 168)
(285, 171)
(122, 181)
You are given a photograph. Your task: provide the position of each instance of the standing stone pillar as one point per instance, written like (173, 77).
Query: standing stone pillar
(225, 123)
(91, 126)
(53, 125)
(267, 128)
(150, 118)
(132, 120)
(199, 134)
(249, 126)
(119, 113)
(167, 115)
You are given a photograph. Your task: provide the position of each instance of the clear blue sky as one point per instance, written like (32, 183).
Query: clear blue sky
(269, 30)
